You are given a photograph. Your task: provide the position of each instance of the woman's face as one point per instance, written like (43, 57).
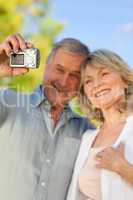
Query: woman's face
(103, 86)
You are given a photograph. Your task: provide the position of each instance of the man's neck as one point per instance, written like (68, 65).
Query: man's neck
(56, 112)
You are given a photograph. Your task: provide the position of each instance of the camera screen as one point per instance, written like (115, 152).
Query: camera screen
(17, 59)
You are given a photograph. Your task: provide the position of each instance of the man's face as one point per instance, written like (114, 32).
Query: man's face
(62, 77)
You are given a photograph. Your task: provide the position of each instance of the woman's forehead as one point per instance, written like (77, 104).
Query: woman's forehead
(96, 67)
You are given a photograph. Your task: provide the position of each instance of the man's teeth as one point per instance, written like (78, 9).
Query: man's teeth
(103, 92)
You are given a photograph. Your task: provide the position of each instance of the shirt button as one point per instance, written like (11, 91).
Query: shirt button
(48, 160)
(43, 184)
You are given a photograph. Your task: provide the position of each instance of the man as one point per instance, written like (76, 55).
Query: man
(39, 134)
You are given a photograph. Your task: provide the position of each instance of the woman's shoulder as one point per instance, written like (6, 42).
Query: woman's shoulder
(89, 134)
(130, 119)
(129, 123)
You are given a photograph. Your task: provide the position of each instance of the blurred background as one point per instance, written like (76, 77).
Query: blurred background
(99, 24)
(30, 18)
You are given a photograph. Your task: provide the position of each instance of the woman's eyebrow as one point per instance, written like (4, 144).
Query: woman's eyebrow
(99, 71)
(88, 76)
(103, 68)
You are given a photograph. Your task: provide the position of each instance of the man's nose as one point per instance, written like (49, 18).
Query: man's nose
(64, 80)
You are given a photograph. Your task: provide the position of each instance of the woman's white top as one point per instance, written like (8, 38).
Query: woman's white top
(89, 177)
(113, 187)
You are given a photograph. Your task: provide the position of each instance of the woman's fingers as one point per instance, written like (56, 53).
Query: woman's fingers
(121, 148)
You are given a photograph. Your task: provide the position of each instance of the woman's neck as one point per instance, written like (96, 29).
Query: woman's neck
(116, 113)
(114, 117)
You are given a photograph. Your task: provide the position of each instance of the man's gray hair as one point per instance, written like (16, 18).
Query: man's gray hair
(71, 45)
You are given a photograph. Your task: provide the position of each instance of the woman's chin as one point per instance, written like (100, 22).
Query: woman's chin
(105, 105)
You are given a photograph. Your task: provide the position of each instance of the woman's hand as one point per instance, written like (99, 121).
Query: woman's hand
(114, 160)
(111, 159)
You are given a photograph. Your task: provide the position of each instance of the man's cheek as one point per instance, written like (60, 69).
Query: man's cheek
(73, 93)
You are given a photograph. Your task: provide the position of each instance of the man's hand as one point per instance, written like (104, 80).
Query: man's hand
(13, 44)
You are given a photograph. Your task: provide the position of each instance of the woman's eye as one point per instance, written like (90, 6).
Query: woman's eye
(88, 81)
(105, 73)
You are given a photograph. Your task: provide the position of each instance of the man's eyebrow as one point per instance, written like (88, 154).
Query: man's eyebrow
(75, 72)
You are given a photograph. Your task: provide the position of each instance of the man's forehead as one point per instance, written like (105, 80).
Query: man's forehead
(66, 53)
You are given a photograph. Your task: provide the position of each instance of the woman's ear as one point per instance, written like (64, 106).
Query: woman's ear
(125, 82)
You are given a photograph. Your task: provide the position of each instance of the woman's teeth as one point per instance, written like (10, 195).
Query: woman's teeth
(101, 93)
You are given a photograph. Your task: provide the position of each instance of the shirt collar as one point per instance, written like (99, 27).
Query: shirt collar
(38, 96)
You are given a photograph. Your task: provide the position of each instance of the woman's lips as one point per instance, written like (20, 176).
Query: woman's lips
(102, 93)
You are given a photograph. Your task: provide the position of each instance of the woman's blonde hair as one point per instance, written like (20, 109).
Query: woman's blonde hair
(103, 57)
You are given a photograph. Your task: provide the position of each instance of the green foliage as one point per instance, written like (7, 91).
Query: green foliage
(76, 108)
(41, 30)
(10, 20)
(31, 19)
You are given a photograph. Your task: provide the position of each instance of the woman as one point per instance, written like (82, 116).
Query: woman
(104, 170)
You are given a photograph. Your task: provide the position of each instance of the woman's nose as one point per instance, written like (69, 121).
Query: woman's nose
(97, 82)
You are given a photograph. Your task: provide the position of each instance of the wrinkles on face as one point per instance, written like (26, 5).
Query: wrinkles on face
(103, 86)
(62, 77)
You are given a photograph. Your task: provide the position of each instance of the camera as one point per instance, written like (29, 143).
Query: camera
(29, 58)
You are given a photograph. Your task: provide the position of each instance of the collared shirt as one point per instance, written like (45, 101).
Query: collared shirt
(36, 159)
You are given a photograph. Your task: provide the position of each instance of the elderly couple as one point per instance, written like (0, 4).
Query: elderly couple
(48, 152)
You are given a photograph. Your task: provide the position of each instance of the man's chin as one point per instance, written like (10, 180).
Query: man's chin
(57, 98)
(60, 102)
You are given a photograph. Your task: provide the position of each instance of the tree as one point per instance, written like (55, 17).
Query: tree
(31, 18)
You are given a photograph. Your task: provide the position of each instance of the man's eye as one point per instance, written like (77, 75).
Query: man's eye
(75, 76)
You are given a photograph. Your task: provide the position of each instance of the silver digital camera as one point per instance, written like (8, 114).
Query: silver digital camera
(29, 58)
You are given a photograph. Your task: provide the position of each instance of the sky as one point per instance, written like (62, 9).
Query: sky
(98, 23)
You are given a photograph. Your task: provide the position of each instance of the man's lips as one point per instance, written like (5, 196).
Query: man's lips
(56, 89)
(60, 89)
